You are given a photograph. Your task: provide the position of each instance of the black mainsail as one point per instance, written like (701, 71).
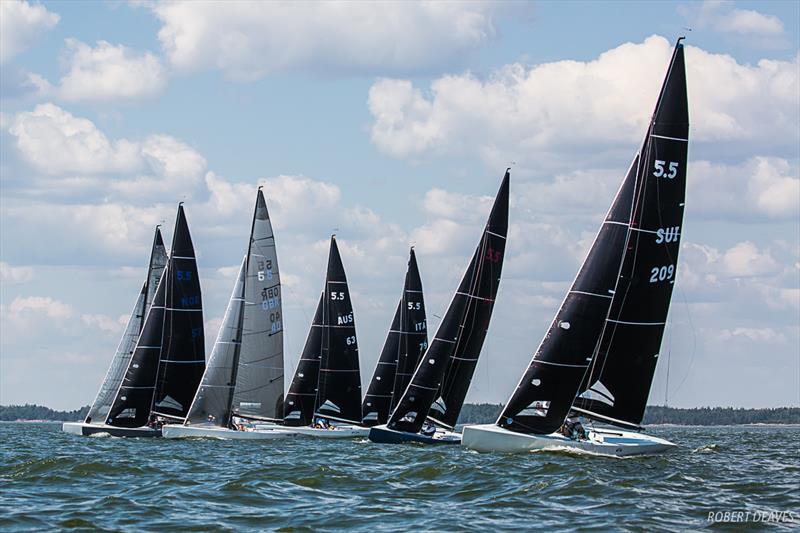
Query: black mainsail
(600, 354)
(182, 360)
(327, 381)
(405, 343)
(439, 384)
(339, 389)
(101, 406)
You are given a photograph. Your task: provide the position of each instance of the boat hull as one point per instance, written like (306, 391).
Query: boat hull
(178, 431)
(383, 435)
(81, 428)
(493, 438)
(337, 432)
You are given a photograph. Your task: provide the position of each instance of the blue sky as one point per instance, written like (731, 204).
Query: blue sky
(392, 122)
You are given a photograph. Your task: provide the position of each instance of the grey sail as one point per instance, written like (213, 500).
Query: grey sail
(259, 378)
(212, 403)
(119, 364)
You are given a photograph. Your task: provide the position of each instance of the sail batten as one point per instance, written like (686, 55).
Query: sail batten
(443, 371)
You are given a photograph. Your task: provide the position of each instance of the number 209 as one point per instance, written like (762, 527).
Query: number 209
(662, 273)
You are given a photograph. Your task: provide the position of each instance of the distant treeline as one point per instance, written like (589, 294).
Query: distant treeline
(484, 413)
(39, 412)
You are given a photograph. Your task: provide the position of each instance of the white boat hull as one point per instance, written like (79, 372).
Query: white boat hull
(493, 438)
(82, 428)
(179, 431)
(335, 432)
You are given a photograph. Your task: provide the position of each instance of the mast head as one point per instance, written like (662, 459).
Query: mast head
(260, 187)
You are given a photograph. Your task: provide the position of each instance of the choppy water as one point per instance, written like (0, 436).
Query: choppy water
(51, 480)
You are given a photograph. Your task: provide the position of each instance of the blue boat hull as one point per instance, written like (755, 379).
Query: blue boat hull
(383, 435)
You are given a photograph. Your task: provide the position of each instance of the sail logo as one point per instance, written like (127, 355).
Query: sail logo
(668, 235)
(439, 405)
(598, 393)
(329, 405)
(170, 403)
(347, 319)
(537, 408)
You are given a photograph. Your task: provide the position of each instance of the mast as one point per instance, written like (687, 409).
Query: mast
(602, 345)
(212, 403)
(301, 398)
(339, 388)
(405, 343)
(616, 387)
(182, 360)
(440, 382)
(259, 375)
(119, 364)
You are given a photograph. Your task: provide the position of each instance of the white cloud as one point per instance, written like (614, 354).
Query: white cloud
(103, 323)
(56, 142)
(104, 72)
(746, 260)
(566, 107)
(722, 16)
(25, 309)
(761, 187)
(21, 24)
(11, 274)
(248, 40)
(66, 147)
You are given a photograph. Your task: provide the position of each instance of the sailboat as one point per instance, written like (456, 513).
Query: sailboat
(324, 398)
(243, 381)
(405, 344)
(168, 362)
(119, 364)
(599, 356)
(428, 410)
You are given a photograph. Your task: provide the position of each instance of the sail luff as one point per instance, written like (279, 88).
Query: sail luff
(302, 395)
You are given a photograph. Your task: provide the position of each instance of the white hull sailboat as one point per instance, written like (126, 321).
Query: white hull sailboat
(344, 431)
(180, 431)
(598, 359)
(493, 438)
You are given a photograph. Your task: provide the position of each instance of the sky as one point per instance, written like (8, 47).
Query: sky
(391, 124)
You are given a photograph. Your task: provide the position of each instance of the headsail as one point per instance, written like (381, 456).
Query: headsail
(631, 340)
(440, 382)
(301, 399)
(182, 361)
(212, 403)
(405, 343)
(339, 389)
(603, 343)
(259, 379)
(119, 364)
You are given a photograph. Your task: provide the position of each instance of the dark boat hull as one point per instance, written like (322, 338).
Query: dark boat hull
(80, 428)
(383, 435)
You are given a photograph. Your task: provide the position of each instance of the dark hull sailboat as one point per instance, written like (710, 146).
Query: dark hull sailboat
(168, 361)
(244, 377)
(599, 356)
(327, 383)
(428, 410)
(405, 344)
(119, 364)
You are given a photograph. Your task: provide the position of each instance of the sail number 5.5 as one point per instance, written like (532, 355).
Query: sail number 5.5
(669, 172)
(662, 273)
